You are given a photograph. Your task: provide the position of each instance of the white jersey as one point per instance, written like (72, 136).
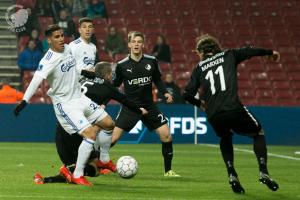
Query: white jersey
(60, 71)
(84, 53)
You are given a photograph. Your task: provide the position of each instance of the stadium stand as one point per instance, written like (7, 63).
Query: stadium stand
(267, 23)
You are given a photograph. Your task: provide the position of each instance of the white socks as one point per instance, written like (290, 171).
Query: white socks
(84, 152)
(104, 138)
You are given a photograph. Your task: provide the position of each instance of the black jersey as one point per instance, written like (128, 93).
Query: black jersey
(217, 76)
(138, 77)
(101, 91)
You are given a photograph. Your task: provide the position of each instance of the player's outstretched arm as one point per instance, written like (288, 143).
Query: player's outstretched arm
(88, 74)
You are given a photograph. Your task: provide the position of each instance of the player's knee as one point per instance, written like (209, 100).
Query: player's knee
(107, 123)
(110, 125)
(164, 133)
(168, 138)
(165, 136)
(90, 132)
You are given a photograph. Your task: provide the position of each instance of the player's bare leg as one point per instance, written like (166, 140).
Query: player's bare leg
(167, 149)
(116, 135)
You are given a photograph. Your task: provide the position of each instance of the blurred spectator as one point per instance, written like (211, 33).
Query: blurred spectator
(29, 58)
(26, 3)
(173, 89)
(114, 43)
(67, 24)
(45, 45)
(8, 94)
(56, 7)
(69, 5)
(96, 8)
(79, 8)
(43, 8)
(31, 24)
(35, 35)
(162, 50)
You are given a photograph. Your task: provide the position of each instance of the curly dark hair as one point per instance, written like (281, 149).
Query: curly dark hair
(208, 45)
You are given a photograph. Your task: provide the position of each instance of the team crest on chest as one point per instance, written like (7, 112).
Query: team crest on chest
(148, 67)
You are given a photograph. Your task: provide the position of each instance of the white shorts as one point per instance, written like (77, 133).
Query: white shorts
(78, 114)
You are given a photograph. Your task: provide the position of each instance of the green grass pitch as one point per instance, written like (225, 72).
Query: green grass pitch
(201, 166)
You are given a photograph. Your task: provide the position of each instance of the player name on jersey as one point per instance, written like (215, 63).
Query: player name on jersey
(212, 63)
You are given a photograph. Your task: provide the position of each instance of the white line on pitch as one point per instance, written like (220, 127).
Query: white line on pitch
(70, 197)
(250, 151)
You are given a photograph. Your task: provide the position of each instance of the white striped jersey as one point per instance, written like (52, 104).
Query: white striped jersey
(84, 53)
(60, 71)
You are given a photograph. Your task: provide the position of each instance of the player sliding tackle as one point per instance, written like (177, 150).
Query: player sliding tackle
(100, 90)
(84, 52)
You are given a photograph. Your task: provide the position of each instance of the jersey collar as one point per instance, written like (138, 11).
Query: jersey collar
(135, 60)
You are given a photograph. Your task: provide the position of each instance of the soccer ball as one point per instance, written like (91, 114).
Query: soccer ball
(127, 167)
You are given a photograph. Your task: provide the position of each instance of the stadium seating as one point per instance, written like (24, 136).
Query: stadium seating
(266, 23)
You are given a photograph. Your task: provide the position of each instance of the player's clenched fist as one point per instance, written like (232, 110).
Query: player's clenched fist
(20, 107)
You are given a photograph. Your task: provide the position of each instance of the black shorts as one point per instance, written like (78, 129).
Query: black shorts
(67, 146)
(127, 119)
(240, 121)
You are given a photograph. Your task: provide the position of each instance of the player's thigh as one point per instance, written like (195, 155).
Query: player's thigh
(92, 111)
(221, 125)
(246, 123)
(126, 119)
(154, 119)
(71, 116)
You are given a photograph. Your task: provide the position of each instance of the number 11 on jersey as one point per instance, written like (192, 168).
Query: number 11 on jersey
(210, 76)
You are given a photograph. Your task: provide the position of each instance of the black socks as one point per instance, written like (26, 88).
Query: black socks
(167, 152)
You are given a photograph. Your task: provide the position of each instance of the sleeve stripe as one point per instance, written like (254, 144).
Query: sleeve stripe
(49, 55)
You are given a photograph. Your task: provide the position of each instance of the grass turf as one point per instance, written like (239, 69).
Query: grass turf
(201, 166)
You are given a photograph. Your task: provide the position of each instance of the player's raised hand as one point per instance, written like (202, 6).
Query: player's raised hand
(20, 106)
(169, 98)
(274, 57)
(144, 111)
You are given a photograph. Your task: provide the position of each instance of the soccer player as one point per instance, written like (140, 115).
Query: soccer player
(74, 111)
(100, 91)
(82, 48)
(84, 52)
(216, 73)
(137, 72)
